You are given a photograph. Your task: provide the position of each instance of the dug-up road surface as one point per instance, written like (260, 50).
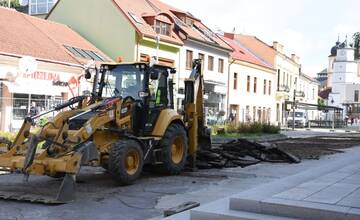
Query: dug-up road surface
(99, 197)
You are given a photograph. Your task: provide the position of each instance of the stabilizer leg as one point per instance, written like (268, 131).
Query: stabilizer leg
(67, 189)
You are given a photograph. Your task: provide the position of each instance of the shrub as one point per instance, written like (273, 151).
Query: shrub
(8, 135)
(231, 128)
(251, 128)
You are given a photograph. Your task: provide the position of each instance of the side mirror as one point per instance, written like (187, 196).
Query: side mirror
(87, 74)
(154, 75)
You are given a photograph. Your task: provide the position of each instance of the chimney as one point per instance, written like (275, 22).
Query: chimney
(295, 58)
(229, 35)
(278, 47)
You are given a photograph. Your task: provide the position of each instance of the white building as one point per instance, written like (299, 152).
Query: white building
(345, 82)
(252, 85)
(309, 88)
(288, 69)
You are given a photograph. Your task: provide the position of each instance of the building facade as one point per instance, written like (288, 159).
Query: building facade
(288, 71)
(44, 68)
(252, 86)
(133, 29)
(309, 88)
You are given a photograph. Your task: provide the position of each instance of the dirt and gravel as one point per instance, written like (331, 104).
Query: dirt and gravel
(99, 197)
(315, 147)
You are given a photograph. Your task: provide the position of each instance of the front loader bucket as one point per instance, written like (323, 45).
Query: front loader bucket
(65, 194)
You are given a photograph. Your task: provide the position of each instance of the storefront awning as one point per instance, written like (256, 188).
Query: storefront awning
(37, 87)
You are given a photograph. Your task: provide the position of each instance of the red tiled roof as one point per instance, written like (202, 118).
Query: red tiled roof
(197, 30)
(324, 94)
(145, 8)
(142, 8)
(258, 47)
(243, 54)
(22, 35)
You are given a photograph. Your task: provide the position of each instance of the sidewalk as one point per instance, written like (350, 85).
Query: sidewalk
(329, 191)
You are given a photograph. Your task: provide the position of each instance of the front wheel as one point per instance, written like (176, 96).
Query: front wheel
(126, 161)
(174, 147)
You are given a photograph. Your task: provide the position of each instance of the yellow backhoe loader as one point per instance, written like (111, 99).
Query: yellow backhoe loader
(127, 122)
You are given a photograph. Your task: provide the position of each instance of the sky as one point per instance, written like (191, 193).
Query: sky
(308, 28)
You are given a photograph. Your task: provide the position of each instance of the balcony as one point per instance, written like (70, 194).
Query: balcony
(283, 88)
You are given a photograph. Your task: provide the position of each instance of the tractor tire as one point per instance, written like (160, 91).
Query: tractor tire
(6, 142)
(126, 160)
(174, 147)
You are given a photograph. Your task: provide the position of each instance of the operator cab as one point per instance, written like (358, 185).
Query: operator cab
(148, 88)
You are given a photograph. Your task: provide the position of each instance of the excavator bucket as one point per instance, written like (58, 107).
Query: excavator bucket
(28, 159)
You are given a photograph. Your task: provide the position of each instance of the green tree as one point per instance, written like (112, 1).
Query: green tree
(13, 3)
(321, 104)
(356, 37)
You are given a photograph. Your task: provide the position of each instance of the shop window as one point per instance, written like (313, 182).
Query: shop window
(248, 84)
(221, 66)
(255, 84)
(189, 58)
(210, 63)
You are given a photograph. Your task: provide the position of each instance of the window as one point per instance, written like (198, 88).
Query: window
(211, 63)
(356, 96)
(40, 6)
(269, 87)
(235, 81)
(264, 86)
(247, 114)
(248, 84)
(255, 84)
(202, 57)
(254, 113)
(135, 18)
(162, 28)
(221, 66)
(189, 58)
(278, 80)
(85, 54)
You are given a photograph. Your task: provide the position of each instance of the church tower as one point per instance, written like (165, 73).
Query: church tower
(344, 67)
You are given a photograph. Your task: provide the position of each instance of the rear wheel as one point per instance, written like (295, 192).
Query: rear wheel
(174, 147)
(126, 161)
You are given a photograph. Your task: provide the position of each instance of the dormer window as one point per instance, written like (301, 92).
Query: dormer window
(162, 28)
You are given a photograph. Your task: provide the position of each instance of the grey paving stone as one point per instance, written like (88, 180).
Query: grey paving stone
(353, 214)
(295, 193)
(303, 210)
(353, 179)
(333, 193)
(352, 200)
(332, 177)
(314, 186)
